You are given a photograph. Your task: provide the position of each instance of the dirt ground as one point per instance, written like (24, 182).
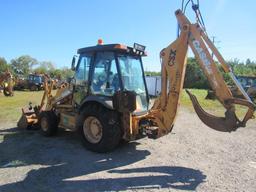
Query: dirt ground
(191, 158)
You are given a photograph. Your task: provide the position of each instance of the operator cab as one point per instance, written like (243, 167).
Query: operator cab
(102, 71)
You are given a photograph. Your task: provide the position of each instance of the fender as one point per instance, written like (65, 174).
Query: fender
(103, 100)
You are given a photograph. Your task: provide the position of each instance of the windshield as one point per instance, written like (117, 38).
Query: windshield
(37, 79)
(133, 80)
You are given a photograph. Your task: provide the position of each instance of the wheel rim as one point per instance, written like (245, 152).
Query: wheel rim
(92, 129)
(44, 124)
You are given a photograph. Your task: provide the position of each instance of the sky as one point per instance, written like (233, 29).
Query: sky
(53, 30)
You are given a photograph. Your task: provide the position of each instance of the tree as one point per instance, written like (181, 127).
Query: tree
(44, 67)
(3, 65)
(67, 73)
(47, 65)
(23, 64)
(40, 70)
(195, 77)
(248, 61)
(56, 73)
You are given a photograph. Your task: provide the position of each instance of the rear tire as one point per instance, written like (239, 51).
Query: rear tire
(48, 123)
(99, 128)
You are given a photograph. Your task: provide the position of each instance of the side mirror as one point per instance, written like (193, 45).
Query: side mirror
(73, 64)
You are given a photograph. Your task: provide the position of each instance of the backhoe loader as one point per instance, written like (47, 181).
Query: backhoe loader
(6, 82)
(107, 100)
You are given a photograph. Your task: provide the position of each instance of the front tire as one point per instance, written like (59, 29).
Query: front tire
(99, 128)
(7, 91)
(48, 122)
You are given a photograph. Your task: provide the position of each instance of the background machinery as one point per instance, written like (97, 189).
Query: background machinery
(247, 82)
(6, 82)
(33, 82)
(107, 100)
(249, 85)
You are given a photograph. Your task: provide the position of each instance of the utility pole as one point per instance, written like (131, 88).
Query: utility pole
(214, 43)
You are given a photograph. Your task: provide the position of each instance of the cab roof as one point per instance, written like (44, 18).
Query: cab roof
(113, 48)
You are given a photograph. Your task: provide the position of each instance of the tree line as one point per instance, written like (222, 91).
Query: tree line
(25, 65)
(195, 78)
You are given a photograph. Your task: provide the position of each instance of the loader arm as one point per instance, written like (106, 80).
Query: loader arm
(6, 76)
(173, 59)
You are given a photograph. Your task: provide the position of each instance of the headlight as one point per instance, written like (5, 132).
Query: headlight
(139, 47)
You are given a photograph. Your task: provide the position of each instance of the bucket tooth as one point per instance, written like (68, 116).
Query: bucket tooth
(228, 123)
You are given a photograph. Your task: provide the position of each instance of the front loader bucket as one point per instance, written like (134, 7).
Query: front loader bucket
(228, 123)
(28, 119)
(23, 122)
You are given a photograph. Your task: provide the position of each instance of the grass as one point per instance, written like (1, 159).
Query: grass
(212, 106)
(10, 107)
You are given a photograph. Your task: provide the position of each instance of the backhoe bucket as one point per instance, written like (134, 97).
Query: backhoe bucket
(228, 123)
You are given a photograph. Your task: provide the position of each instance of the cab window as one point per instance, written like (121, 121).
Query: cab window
(105, 80)
(82, 71)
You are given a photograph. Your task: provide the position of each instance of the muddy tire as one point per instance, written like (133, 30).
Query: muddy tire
(48, 123)
(8, 91)
(99, 128)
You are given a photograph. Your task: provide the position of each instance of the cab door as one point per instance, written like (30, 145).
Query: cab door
(82, 78)
(105, 77)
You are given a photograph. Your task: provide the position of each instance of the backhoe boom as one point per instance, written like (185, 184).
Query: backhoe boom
(174, 58)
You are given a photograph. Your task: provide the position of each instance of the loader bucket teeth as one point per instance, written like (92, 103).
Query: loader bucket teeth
(228, 123)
